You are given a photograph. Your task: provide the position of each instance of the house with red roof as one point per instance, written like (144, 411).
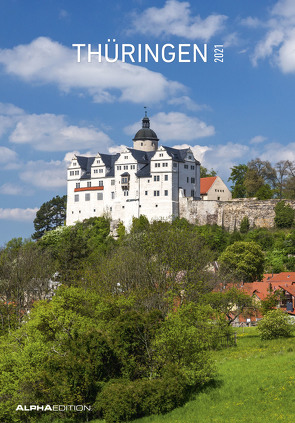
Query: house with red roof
(213, 188)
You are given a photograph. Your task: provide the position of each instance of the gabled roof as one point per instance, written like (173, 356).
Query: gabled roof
(85, 164)
(206, 184)
(141, 156)
(176, 154)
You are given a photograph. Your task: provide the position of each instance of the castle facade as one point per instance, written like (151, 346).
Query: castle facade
(147, 179)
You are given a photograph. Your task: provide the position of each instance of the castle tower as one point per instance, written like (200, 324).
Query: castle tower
(145, 139)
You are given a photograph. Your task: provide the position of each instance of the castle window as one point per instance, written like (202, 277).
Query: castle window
(166, 177)
(112, 181)
(88, 184)
(193, 180)
(161, 154)
(112, 195)
(145, 192)
(187, 179)
(156, 193)
(186, 166)
(166, 192)
(76, 172)
(74, 163)
(165, 164)
(126, 193)
(95, 171)
(156, 178)
(192, 193)
(87, 197)
(118, 167)
(189, 157)
(76, 198)
(132, 166)
(125, 167)
(100, 170)
(192, 167)
(78, 185)
(141, 143)
(100, 196)
(174, 164)
(157, 164)
(184, 192)
(125, 157)
(72, 173)
(94, 210)
(100, 183)
(97, 161)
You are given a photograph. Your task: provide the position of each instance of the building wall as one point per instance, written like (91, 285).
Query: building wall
(229, 214)
(218, 191)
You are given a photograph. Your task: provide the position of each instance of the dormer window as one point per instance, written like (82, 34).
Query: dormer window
(74, 163)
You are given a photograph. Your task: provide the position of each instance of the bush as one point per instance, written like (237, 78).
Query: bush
(284, 215)
(124, 400)
(245, 225)
(275, 324)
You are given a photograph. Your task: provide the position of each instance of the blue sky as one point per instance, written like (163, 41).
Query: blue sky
(52, 106)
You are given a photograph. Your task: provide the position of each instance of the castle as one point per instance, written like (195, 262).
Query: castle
(147, 179)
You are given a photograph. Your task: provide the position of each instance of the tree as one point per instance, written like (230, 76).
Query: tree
(242, 261)
(231, 303)
(50, 215)
(275, 324)
(245, 225)
(284, 215)
(238, 178)
(205, 173)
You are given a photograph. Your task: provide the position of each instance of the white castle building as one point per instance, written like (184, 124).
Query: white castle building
(144, 180)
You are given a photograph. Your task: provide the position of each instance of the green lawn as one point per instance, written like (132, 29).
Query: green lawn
(256, 384)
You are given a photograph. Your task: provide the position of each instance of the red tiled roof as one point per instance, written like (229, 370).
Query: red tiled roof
(287, 277)
(206, 184)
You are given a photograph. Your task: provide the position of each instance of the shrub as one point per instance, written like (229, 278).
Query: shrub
(275, 324)
(123, 400)
(284, 215)
(245, 225)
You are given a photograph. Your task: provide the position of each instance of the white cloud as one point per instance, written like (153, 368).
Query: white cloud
(7, 155)
(117, 149)
(12, 189)
(21, 215)
(257, 139)
(198, 150)
(175, 126)
(49, 132)
(45, 61)
(188, 103)
(274, 152)
(46, 175)
(278, 42)
(175, 18)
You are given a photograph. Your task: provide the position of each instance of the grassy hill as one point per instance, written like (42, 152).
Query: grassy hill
(256, 385)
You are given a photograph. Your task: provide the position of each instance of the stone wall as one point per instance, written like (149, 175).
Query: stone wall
(229, 214)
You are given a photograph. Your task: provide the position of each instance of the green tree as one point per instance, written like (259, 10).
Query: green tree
(245, 225)
(275, 324)
(242, 261)
(231, 302)
(237, 177)
(205, 173)
(284, 215)
(50, 215)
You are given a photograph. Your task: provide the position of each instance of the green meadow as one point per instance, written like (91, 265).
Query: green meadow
(256, 384)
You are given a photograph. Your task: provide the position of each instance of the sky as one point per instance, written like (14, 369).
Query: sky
(52, 105)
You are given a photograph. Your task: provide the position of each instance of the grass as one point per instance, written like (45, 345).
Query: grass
(256, 384)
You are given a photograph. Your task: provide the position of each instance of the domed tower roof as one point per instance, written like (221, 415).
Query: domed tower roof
(145, 133)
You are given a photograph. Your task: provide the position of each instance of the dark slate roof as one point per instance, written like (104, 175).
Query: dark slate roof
(141, 156)
(85, 164)
(178, 155)
(145, 171)
(109, 161)
(145, 134)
